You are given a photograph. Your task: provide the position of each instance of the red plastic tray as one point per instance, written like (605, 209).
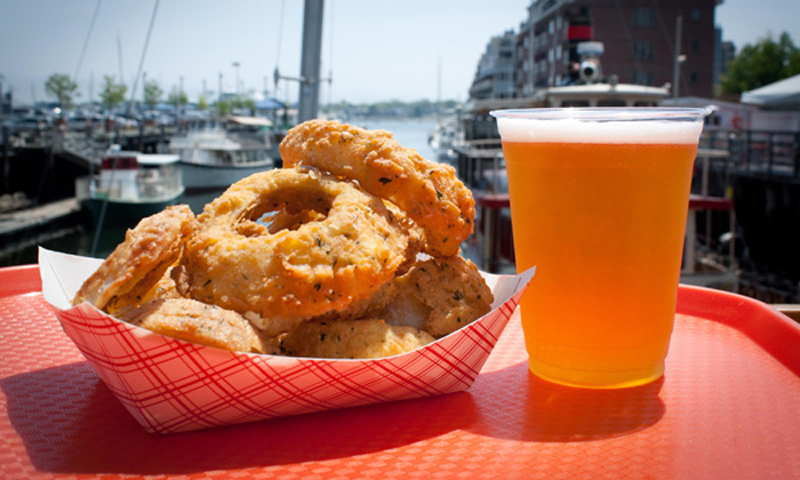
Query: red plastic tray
(727, 407)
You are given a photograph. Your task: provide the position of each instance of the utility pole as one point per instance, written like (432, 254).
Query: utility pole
(236, 66)
(119, 59)
(2, 100)
(679, 57)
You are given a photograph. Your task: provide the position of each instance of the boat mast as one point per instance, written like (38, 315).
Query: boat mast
(309, 78)
(139, 73)
(310, 63)
(439, 89)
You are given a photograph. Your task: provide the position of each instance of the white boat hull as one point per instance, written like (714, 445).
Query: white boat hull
(213, 177)
(116, 212)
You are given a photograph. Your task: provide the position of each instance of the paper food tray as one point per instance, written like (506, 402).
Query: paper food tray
(171, 385)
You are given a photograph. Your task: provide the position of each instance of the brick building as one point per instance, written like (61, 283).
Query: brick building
(638, 36)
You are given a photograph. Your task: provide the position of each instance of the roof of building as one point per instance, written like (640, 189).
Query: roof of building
(781, 94)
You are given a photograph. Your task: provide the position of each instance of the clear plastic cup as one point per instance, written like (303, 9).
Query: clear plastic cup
(599, 200)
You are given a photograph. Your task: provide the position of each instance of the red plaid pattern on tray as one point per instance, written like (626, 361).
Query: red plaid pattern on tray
(170, 385)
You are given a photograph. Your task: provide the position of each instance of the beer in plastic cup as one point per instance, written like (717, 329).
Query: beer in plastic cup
(599, 200)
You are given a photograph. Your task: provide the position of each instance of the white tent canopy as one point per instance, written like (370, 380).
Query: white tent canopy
(783, 94)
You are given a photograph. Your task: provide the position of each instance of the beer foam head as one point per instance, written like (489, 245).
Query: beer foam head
(601, 125)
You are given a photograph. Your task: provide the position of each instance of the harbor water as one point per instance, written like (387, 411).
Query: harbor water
(81, 239)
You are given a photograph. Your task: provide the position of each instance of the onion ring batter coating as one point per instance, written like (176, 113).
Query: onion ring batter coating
(429, 192)
(361, 307)
(198, 322)
(138, 263)
(439, 295)
(164, 289)
(279, 279)
(368, 338)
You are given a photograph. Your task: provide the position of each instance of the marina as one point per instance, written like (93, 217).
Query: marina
(758, 257)
(736, 240)
(79, 236)
(359, 317)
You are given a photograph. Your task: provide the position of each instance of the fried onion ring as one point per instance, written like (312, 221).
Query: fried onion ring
(429, 192)
(368, 338)
(438, 295)
(277, 279)
(200, 323)
(138, 263)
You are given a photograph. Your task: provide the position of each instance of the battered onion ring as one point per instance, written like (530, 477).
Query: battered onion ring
(429, 192)
(138, 263)
(439, 295)
(279, 279)
(200, 323)
(367, 338)
(361, 307)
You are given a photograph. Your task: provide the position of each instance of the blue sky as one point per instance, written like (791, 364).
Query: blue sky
(376, 50)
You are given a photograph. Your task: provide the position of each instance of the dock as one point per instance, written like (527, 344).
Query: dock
(34, 217)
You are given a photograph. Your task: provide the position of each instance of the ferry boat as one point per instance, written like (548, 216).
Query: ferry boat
(480, 164)
(130, 186)
(216, 153)
(477, 146)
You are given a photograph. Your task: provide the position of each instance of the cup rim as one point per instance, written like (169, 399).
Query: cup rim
(600, 114)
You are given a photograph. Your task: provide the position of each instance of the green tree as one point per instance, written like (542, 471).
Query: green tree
(113, 93)
(152, 94)
(62, 88)
(177, 97)
(202, 102)
(244, 102)
(766, 62)
(224, 107)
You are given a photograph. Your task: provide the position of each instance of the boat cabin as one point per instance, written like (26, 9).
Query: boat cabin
(135, 176)
(602, 95)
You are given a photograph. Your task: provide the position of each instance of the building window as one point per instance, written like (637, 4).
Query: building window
(611, 102)
(643, 17)
(575, 103)
(642, 49)
(642, 78)
(695, 14)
